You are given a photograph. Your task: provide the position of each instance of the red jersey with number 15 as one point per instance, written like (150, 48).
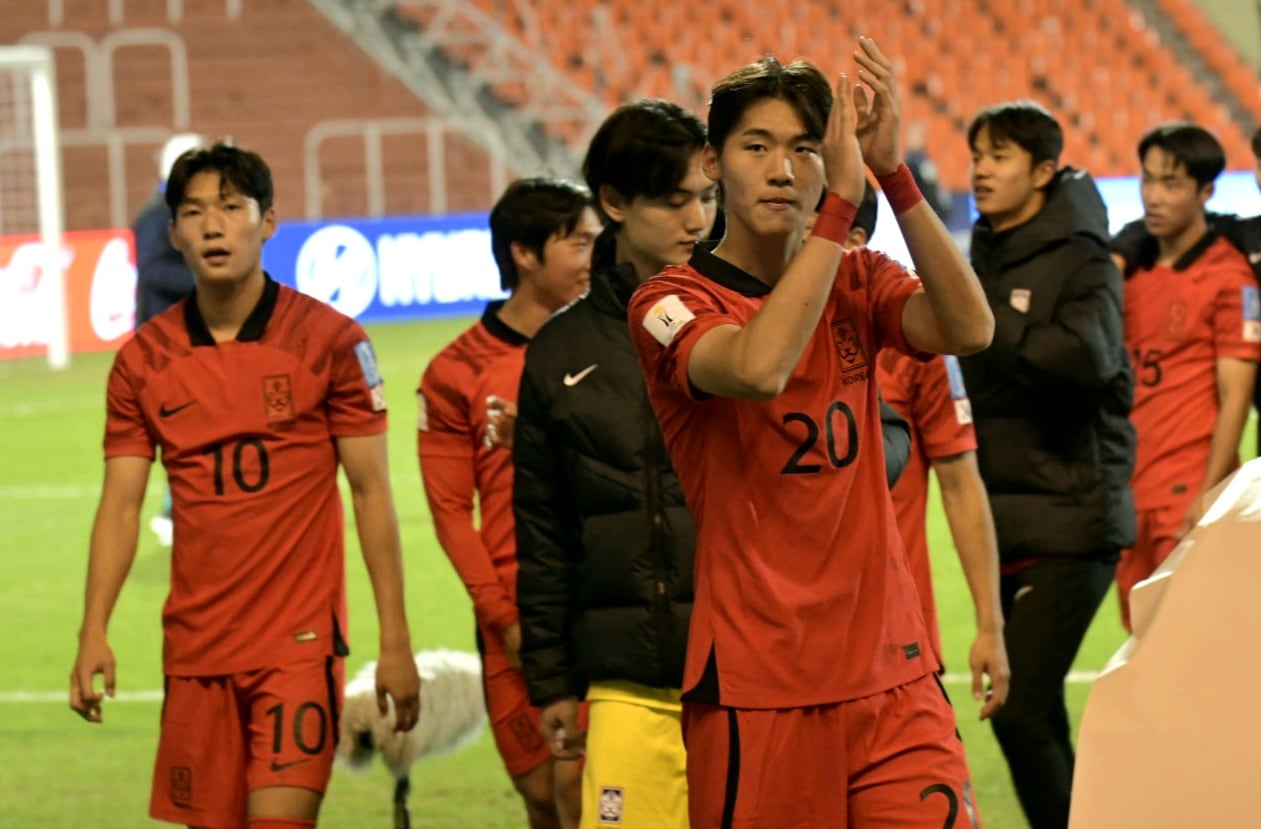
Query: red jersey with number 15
(246, 430)
(1179, 321)
(803, 594)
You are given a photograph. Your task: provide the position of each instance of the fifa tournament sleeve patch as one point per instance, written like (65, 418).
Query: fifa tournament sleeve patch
(958, 391)
(1251, 314)
(666, 319)
(371, 374)
(422, 412)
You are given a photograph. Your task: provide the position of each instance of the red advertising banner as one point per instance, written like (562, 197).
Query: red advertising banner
(100, 273)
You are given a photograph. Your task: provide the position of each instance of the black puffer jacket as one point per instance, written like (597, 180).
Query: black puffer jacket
(1051, 396)
(604, 539)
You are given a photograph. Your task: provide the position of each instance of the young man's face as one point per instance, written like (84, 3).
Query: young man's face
(663, 230)
(220, 230)
(1172, 200)
(1005, 182)
(563, 272)
(771, 172)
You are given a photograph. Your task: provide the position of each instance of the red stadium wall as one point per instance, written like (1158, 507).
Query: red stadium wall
(265, 79)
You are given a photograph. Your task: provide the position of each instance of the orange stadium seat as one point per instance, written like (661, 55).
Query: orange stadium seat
(1095, 63)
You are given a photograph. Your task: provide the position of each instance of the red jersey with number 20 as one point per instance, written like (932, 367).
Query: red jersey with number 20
(246, 429)
(803, 594)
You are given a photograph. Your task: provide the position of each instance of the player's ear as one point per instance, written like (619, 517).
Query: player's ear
(1206, 193)
(709, 163)
(1043, 172)
(612, 203)
(269, 223)
(856, 239)
(523, 257)
(175, 238)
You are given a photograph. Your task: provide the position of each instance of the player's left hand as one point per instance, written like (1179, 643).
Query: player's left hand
(879, 119)
(988, 657)
(501, 421)
(398, 680)
(1195, 511)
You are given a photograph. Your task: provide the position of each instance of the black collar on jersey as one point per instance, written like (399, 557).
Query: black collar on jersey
(1151, 251)
(253, 327)
(500, 329)
(725, 273)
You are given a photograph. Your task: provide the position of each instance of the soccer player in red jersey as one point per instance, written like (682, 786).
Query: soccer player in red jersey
(809, 695)
(1193, 329)
(254, 395)
(543, 231)
(931, 397)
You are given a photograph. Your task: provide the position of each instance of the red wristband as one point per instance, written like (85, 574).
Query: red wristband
(836, 217)
(900, 189)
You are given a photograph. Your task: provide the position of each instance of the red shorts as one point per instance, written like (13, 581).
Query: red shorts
(892, 761)
(224, 736)
(1157, 536)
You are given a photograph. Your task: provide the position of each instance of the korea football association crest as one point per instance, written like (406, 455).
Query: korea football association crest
(612, 800)
(849, 344)
(278, 398)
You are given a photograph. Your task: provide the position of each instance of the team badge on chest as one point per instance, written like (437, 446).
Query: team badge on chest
(849, 345)
(278, 397)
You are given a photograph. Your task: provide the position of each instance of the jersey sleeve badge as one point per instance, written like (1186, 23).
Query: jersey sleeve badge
(1251, 314)
(958, 391)
(666, 319)
(371, 374)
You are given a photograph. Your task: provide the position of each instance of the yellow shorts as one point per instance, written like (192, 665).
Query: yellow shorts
(636, 769)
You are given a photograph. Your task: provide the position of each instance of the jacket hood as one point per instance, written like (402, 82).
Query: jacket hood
(1073, 208)
(611, 283)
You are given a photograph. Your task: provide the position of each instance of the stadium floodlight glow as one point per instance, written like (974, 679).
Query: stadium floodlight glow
(31, 72)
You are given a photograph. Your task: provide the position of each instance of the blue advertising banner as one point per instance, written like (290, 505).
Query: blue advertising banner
(378, 270)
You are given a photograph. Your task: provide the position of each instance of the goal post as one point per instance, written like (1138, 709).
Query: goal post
(30, 176)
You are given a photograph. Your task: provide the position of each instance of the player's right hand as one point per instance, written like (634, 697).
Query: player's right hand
(559, 720)
(94, 657)
(842, 156)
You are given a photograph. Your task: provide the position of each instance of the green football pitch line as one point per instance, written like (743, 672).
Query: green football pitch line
(57, 771)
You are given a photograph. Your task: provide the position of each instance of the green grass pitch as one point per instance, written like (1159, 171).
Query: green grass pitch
(56, 770)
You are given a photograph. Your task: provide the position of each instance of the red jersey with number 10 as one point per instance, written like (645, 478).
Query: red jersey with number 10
(803, 594)
(246, 430)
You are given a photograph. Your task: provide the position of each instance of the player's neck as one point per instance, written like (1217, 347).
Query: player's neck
(523, 313)
(1174, 246)
(625, 254)
(225, 306)
(765, 258)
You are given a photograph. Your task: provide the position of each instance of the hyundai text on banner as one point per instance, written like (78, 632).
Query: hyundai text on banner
(389, 269)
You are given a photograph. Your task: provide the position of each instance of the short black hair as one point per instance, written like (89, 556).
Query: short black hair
(531, 211)
(643, 148)
(865, 218)
(1193, 147)
(800, 83)
(238, 168)
(1024, 123)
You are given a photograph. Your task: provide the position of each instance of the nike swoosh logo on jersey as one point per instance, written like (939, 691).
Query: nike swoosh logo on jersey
(163, 411)
(575, 379)
(277, 767)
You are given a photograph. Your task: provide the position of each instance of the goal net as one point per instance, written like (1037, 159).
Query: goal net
(32, 284)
